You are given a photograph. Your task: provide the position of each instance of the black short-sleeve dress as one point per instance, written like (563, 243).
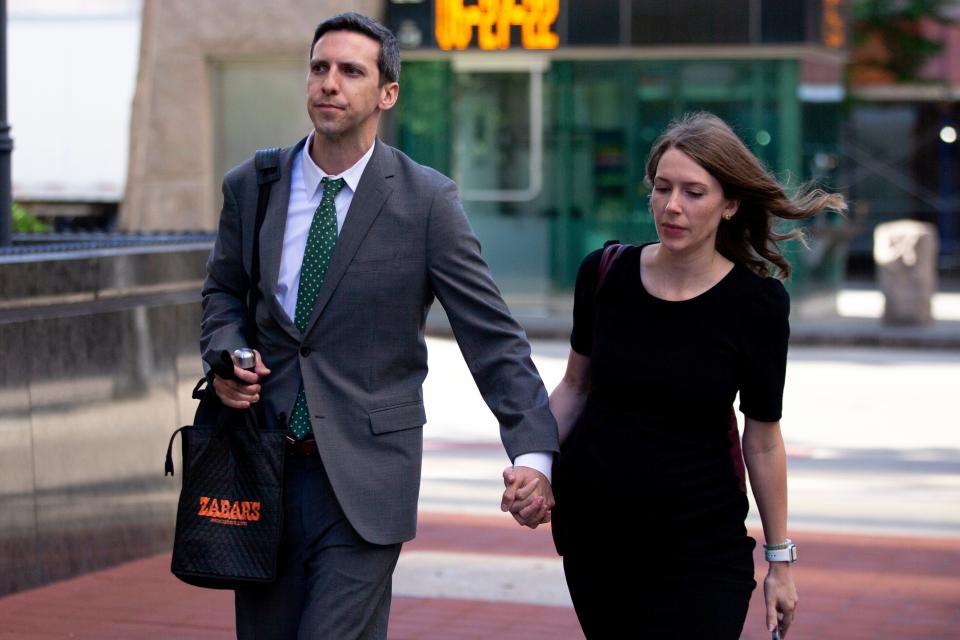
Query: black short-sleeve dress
(648, 487)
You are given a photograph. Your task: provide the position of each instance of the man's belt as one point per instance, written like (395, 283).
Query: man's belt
(301, 448)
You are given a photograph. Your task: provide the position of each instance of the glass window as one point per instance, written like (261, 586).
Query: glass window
(689, 21)
(786, 20)
(592, 22)
(599, 121)
(422, 114)
(245, 121)
(492, 141)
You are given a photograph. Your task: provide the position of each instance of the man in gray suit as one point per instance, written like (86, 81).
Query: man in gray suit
(356, 243)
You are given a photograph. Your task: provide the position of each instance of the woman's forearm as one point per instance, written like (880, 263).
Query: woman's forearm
(766, 461)
(566, 404)
(570, 396)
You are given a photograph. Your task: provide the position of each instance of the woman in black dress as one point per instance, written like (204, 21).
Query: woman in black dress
(649, 486)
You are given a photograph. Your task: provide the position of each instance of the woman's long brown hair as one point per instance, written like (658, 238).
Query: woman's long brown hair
(749, 237)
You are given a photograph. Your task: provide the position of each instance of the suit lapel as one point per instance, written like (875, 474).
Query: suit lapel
(271, 238)
(372, 192)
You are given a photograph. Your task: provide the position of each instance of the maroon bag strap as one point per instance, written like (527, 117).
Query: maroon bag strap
(610, 254)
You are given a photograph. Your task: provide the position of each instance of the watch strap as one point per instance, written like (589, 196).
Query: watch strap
(787, 554)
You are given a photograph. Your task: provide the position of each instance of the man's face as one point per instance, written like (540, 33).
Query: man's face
(344, 96)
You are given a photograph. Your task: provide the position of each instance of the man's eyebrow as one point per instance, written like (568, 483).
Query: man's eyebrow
(353, 64)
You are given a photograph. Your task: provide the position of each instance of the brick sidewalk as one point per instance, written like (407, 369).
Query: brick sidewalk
(851, 586)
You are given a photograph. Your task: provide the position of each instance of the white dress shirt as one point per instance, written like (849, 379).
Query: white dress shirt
(305, 195)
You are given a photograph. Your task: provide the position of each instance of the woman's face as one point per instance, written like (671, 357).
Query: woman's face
(687, 203)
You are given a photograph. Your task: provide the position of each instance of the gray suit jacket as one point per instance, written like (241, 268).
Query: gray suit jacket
(363, 358)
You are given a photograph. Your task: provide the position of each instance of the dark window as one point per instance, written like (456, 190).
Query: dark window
(786, 21)
(591, 22)
(666, 22)
(412, 23)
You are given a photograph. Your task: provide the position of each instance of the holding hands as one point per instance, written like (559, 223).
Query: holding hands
(527, 496)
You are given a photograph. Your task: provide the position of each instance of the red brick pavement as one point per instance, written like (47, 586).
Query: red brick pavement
(851, 587)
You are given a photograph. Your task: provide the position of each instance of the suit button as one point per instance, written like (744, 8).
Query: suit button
(305, 351)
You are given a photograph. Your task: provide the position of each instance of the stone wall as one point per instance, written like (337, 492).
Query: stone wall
(171, 172)
(101, 349)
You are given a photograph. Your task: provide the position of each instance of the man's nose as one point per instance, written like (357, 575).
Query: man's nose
(330, 82)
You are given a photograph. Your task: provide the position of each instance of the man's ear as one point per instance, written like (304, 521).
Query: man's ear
(388, 95)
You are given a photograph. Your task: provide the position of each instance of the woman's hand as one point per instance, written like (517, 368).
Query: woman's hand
(781, 597)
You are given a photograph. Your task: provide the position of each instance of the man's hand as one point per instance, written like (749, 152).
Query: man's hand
(527, 496)
(245, 390)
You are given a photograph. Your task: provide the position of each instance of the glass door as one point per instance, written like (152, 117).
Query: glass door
(497, 161)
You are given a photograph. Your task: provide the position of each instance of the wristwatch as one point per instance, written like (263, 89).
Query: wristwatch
(786, 552)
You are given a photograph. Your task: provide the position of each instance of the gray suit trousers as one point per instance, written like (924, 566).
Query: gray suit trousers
(334, 585)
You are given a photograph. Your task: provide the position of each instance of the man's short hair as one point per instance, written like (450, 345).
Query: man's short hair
(388, 62)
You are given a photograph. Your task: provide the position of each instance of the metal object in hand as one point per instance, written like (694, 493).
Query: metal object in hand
(245, 359)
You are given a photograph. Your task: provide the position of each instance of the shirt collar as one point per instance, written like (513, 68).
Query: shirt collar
(312, 174)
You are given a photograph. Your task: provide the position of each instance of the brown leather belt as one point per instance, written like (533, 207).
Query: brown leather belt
(301, 448)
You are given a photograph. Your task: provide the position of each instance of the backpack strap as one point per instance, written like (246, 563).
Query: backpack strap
(267, 162)
(268, 165)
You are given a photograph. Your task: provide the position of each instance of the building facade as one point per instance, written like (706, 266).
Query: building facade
(543, 111)
(900, 143)
(546, 122)
(216, 80)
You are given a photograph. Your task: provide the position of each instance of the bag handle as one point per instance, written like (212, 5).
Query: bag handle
(226, 424)
(168, 465)
(200, 389)
(267, 163)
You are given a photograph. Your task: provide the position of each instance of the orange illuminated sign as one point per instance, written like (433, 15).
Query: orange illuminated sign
(492, 19)
(834, 24)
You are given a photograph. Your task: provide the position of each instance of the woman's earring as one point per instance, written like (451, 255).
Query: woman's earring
(727, 216)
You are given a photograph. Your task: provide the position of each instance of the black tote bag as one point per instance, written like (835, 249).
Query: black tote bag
(230, 513)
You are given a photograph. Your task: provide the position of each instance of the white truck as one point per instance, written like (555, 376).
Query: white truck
(72, 68)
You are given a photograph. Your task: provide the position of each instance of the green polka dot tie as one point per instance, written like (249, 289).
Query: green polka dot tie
(320, 243)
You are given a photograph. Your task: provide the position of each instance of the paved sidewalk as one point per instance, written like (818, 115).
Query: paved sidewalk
(852, 587)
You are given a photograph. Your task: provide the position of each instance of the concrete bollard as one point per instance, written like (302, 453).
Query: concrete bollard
(905, 252)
